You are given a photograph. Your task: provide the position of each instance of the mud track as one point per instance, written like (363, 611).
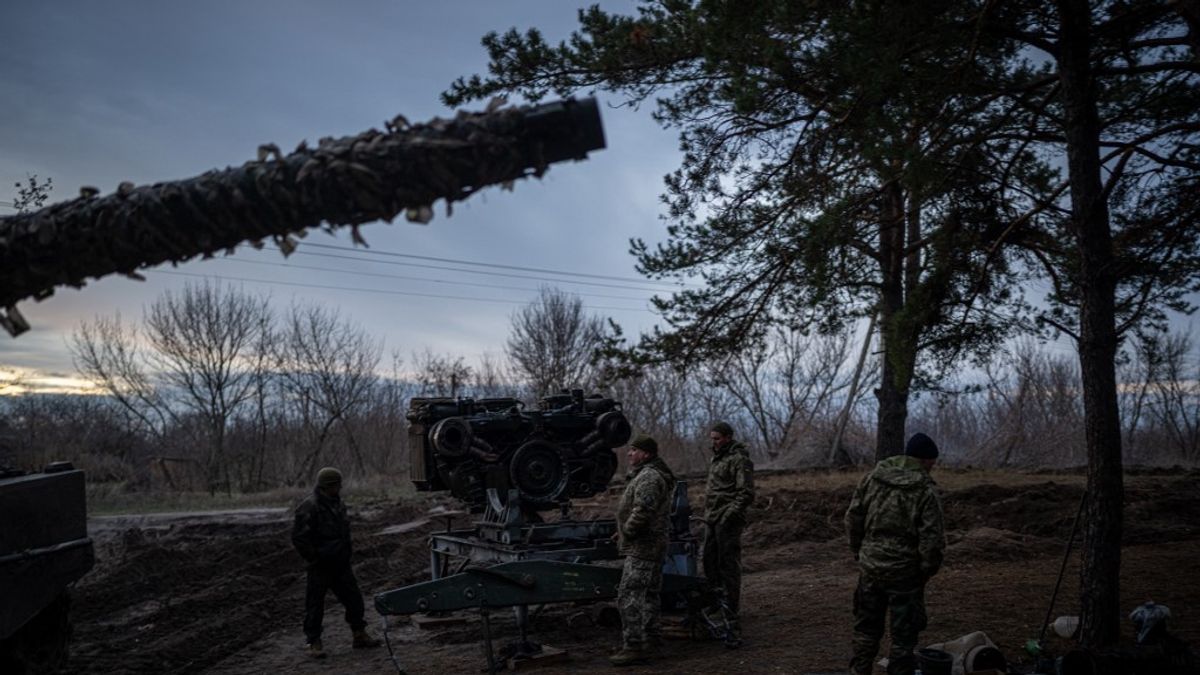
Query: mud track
(224, 593)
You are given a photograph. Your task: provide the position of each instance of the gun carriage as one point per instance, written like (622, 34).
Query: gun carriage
(509, 465)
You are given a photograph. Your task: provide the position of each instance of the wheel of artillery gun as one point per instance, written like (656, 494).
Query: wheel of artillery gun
(451, 437)
(539, 471)
(614, 428)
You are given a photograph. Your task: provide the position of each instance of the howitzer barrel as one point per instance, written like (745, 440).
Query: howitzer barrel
(375, 175)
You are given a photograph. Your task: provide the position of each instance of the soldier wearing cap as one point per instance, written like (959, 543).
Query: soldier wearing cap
(729, 494)
(321, 535)
(895, 527)
(642, 531)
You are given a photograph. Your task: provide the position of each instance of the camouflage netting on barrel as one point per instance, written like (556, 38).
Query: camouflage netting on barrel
(375, 175)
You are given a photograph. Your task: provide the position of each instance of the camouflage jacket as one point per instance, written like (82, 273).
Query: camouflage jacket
(895, 522)
(643, 514)
(730, 488)
(321, 532)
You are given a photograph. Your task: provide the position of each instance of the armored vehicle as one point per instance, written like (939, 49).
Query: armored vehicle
(44, 547)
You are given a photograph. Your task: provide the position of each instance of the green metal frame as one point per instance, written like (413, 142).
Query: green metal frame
(525, 582)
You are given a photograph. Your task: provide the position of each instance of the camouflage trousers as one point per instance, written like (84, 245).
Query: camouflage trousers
(723, 561)
(339, 579)
(872, 602)
(639, 601)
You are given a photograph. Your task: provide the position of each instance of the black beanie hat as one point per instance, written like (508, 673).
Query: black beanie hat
(921, 447)
(645, 444)
(723, 428)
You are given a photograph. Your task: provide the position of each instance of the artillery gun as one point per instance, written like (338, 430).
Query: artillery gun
(346, 182)
(560, 450)
(509, 464)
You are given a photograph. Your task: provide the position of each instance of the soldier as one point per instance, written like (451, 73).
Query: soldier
(727, 500)
(322, 536)
(895, 527)
(642, 530)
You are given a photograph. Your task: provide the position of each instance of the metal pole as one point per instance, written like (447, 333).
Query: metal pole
(1063, 568)
(487, 639)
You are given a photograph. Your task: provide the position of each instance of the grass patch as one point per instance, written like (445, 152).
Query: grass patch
(109, 499)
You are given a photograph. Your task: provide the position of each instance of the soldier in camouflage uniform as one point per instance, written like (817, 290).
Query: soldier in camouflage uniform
(642, 530)
(895, 527)
(321, 535)
(727, 501)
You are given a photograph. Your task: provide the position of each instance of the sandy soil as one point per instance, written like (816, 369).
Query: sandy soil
(223, 593)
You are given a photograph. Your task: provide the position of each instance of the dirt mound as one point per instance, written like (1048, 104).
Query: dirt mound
(1162, 513)
(987, 543)
(789, 516)
(1044, 509)
(181, 597)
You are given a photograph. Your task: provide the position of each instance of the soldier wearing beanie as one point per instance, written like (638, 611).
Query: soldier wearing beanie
(643, 526)
(321, 535)
(895, 527)
(730, 492)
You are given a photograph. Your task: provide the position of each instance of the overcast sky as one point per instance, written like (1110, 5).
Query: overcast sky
(99, 93)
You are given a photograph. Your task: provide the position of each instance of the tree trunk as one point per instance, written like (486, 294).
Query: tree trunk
(837, 454)
(1101, 569)
(896, 370)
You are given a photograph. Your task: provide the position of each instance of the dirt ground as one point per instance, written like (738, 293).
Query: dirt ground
(223, 593)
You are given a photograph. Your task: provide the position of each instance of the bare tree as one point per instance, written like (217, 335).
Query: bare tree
(330, 363)
(440, 374)
(265, 404)
(490, 379)
(32, 194)
(107, 352)
(552, 342)
(385, 428)
(1138, 368)
(657, 403)
(1024, 408)
(1174, 404)
(204, 340)
(785, 384)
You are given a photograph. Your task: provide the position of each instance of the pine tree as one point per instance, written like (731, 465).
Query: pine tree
(838, 161)
(1120, 101)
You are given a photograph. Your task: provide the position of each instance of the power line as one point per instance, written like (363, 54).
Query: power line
(408, 278)
(517, 268)
(465, 271)
(380, 291)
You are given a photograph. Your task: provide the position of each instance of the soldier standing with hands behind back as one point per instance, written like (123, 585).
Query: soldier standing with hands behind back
(642, 531)
(727, 501)
(896, 533)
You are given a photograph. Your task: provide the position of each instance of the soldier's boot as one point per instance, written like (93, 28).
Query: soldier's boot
(315, 649)
(363, 639)
(629, 656)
